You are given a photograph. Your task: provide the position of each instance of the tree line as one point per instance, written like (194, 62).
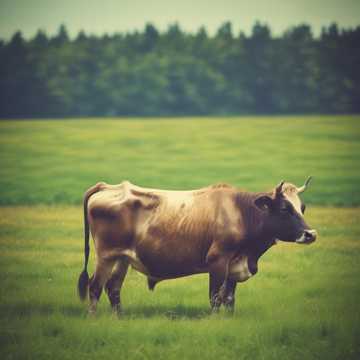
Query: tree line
(153, 73)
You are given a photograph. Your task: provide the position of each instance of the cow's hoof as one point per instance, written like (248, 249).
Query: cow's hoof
(229, 310)
(215, 310)
(91, 314)
(116, 312)
(115, 315)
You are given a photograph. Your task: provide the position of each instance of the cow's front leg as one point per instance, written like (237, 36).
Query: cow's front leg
(229, 288)
(218, 273)
(214, 292)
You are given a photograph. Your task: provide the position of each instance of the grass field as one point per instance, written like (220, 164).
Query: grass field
(303, 303)
(53, 162)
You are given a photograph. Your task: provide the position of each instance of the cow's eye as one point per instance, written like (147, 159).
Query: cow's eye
(303, 207)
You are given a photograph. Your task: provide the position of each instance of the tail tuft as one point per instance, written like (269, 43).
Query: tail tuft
(83, 285)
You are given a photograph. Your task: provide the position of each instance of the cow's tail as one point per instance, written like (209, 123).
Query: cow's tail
(83, 282)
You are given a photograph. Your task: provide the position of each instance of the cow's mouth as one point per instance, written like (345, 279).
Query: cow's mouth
(308, 237)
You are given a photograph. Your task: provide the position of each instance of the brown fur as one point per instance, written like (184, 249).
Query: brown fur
(169, 234)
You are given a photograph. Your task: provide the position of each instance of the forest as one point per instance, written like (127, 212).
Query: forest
(176, 73)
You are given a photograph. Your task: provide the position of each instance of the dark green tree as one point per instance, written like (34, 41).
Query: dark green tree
(177, 73)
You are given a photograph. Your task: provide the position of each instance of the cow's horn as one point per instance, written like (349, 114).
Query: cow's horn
(303, 188)
(279, 188)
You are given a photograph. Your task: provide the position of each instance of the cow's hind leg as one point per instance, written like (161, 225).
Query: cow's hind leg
(114, 284)
(97, 282)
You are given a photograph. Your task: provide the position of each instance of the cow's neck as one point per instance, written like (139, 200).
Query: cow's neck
(258, 234)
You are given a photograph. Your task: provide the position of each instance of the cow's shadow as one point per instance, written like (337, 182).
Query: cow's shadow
(177, 312)
(24, 310)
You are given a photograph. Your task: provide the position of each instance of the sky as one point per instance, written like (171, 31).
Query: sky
(110, 16)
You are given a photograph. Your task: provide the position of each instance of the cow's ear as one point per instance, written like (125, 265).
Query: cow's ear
(264, 202)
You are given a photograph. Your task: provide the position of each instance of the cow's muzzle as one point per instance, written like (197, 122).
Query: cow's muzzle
(308, 237)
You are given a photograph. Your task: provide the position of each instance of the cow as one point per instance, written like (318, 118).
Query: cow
(163, 234)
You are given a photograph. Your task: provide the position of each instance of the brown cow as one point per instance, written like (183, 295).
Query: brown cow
(163, 234)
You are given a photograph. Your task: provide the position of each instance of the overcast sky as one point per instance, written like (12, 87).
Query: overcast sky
(109, 16)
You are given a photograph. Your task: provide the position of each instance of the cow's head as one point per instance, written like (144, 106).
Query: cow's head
(285, 213)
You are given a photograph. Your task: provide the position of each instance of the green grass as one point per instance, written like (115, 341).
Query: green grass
(54, 162)
(303, 303)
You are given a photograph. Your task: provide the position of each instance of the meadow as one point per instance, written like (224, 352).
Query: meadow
(54, 162)
(303, 303)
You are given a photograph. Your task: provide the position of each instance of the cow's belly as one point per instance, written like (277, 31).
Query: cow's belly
(239, 269)
(165, 269)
